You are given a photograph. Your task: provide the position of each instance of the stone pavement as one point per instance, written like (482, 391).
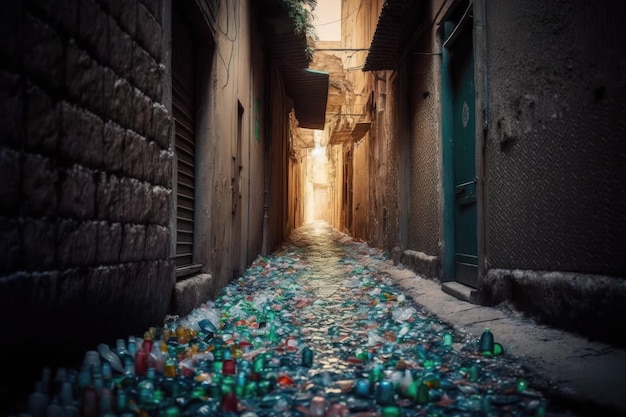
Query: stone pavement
(583, 376)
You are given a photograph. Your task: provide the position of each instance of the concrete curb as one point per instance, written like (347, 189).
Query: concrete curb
(583, 376)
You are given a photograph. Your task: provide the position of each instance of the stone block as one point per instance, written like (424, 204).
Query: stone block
(10, 245)
(10, 174)
(44, 289)
(108, 204)
(141, 121)
(92, 28)
(161, 201)
(151, 158)
(84, 79)
(81, 136)
(76, 242)
(135, 148)
(39, 238)
(165, 238)
(161, 74)
(162, 124)
(113, 7)
(120, 49)
(149, 32)
(78, 193)
(154, 302)
(42, 121)
(11, 104)
(132, 199)
(27, 293)
(43, 53)
(421, 263)
(101, 291)
(128, 17)
(39, 185)
(152, 242)
(145, 202)
(128, 272)
(133, 243)
(164, 167)
(60, 14)
(109, 242)
(11, 22)
(70, 298)
(154, 6)
(145, 72)
(112, 158)
(118, 95)
(190, 293)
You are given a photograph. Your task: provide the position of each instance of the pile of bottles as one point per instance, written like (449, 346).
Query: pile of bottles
(300, 334)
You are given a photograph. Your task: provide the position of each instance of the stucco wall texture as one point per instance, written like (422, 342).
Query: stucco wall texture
(555, 149)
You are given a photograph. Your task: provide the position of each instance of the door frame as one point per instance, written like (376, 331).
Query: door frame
(477, 9)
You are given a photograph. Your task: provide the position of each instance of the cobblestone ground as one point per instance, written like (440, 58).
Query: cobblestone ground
(313, 330)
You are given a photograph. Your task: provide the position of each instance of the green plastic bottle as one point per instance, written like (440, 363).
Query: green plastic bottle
(486, 343)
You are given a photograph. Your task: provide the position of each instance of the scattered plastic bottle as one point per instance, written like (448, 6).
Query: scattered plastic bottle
(385, 393)
(307, 357)
(485, 345)
(251, 353)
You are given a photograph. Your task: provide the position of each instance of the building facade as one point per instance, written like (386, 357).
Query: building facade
(144, 161)
(502, 131)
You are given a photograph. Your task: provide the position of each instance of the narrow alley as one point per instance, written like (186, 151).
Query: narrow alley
(312, 208)
(314, 329)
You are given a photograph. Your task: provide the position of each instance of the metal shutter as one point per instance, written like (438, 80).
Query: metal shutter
(183, 100)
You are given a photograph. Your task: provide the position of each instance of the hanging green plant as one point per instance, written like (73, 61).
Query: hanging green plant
(301, 13)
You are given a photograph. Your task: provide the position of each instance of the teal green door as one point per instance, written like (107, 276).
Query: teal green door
(464, 158)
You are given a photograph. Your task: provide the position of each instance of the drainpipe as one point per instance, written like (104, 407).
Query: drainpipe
(482, 104)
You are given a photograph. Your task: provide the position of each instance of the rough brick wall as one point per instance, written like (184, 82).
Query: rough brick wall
(85, 163)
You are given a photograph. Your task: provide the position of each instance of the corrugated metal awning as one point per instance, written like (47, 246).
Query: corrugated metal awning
(396, 22)
(308, 89)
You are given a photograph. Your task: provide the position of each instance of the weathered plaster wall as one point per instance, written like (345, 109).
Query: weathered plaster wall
(217, 159)
(278, 152)
(230, 154)
(376, 227)
(335, 155)
(361, 186)
(256, 159)
(394, 133)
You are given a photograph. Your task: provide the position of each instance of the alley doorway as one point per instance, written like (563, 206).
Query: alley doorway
(460, 146)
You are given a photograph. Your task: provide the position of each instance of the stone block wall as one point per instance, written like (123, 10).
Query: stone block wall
(86, 168)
